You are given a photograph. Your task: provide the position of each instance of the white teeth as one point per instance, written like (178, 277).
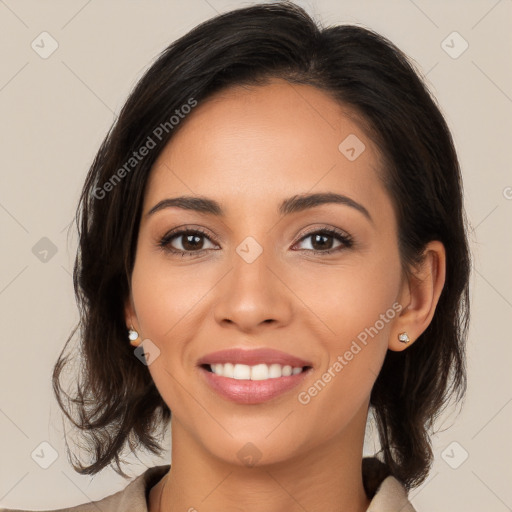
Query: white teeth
(241, 372)
(257, 372)
(275, 371)
(228, 370)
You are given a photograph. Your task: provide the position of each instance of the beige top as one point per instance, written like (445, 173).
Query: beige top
(391, 496)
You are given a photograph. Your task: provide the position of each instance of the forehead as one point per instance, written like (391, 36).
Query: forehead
(258, 144)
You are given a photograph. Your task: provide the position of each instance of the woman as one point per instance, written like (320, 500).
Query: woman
(275, 222)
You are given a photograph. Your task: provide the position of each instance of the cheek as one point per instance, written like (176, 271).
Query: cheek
(170, 299)
(357, 306)
(344, 382)
(166, 301)
(165, 296)
(351, 298)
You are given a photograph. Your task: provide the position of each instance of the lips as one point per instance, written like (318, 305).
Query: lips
(248, 391)
(253, 357)
(252, 392)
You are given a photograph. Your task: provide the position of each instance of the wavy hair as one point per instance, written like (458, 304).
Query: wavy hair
(115, 401)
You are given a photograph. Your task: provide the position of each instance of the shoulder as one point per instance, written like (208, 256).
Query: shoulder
(132, 498)
(391, 495)
(386, 492)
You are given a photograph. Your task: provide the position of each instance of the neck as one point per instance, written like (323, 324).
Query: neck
(325, 477)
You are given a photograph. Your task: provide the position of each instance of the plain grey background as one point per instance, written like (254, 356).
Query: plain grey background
(55, 110)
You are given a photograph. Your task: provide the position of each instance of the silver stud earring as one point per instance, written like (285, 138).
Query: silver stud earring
(404, 337)
(133, 336)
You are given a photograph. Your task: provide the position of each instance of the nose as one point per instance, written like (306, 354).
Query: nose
(253, 295)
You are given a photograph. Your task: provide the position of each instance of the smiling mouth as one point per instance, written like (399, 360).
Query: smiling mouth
(258, 372)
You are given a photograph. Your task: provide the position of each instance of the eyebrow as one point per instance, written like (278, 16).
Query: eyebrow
(291, 205)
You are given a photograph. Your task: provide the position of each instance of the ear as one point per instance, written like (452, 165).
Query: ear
(419, 295)
(129, 314)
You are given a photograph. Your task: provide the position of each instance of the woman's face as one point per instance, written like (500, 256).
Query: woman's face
(259, 275)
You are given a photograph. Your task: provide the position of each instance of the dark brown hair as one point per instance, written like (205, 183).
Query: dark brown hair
(116, 400)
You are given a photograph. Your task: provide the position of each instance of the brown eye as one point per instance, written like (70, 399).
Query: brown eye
(323, 241)
(187, 241)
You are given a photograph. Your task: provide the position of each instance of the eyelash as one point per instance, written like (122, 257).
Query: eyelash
(345, 239)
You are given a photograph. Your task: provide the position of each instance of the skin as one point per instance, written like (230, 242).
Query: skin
(250, 148)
